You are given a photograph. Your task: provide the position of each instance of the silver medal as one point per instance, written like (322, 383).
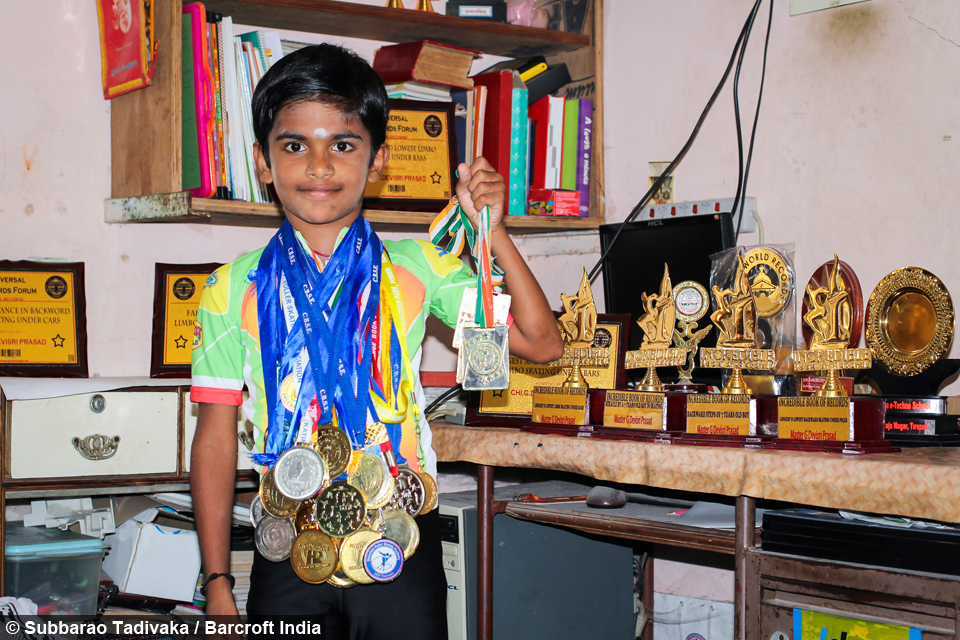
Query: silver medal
(485, 354)
(256, 511)
(274, 538)
(299, 473)
(409, 493)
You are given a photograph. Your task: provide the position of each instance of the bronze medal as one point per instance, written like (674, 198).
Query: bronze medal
(275, 503)
(306, 517)
(333, 445)
(314, 556)
(400, 527)
(340, 580)
(368, 473)
(431, 492)
(351, 555)
(340, 510)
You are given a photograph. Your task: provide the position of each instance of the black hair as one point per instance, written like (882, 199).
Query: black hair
(323, 73)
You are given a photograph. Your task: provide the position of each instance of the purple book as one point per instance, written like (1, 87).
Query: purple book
(584, 145)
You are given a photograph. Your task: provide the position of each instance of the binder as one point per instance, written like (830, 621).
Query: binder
(204, 110)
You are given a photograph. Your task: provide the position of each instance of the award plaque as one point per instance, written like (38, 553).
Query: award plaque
(176, 296)
(420, 173)
(645, 410)
(829, 420)
(43, 321)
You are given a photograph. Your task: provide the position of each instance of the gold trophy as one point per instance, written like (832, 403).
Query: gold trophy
(830, 319)
(577, 326)
(657, 323)
(692, 303)
(736, 320)
(568, 404)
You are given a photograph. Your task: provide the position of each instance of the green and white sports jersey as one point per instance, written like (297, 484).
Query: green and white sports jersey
(226, 348)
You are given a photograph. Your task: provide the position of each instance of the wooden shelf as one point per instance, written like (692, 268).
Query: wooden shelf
(350, 20)
(181, 207)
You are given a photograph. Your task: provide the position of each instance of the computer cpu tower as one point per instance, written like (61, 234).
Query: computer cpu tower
(549, 583)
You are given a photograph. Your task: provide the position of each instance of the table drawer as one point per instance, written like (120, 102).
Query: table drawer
(98, 434)
(244, 435)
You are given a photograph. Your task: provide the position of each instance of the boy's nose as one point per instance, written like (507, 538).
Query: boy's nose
(320, 165)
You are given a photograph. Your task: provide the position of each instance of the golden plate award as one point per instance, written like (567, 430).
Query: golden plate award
(733, 411)
(568, 404)
(829, 419)
(646, 408)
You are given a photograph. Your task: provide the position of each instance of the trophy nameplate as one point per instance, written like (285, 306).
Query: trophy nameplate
(43, 321)
(635, 410)
(714, 414)
(561, 405)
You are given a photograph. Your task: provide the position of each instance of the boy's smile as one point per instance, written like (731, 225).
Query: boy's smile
(319, 165)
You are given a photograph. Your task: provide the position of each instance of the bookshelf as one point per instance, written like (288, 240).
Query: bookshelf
(145, 124)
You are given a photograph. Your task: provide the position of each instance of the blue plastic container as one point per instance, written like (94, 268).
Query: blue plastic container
(57, 570)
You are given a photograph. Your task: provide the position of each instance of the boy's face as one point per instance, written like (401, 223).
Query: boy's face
(319, 165)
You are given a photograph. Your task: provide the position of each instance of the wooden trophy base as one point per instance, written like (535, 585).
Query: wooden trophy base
(678, 422)
(662, 435)
(867, 432)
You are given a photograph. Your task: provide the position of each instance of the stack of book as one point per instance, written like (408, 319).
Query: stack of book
(241, 563)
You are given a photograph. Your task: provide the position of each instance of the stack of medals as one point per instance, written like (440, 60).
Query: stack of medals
(345, 532)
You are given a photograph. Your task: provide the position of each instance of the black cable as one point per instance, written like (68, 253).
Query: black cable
(443, 397)
(736, 118)
(686, 147)
(753, 133)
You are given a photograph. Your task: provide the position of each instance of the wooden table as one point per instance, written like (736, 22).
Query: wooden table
(918, 483)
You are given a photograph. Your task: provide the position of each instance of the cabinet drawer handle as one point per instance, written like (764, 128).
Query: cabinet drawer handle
(97, 447)
(245, 439)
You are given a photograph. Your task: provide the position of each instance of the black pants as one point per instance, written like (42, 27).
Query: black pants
(413, 606)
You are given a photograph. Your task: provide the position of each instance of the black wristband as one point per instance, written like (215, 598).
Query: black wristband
(214, 576)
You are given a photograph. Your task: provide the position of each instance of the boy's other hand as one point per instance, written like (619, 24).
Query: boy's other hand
(479, 186)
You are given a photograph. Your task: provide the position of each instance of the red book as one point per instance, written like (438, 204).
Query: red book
(496, 126)
(539, 115)
(425, 61)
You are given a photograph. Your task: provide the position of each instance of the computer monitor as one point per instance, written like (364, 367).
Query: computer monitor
(635, 264)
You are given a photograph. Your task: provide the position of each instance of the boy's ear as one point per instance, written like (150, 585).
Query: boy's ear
(263, 169)
(379, 162)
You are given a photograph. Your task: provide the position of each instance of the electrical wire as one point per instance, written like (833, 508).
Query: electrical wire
(736, 118)
(443, 397)
(686, 147)
(753, 133)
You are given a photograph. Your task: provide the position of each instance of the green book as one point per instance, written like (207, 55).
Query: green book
(568, 158)
(190, 176)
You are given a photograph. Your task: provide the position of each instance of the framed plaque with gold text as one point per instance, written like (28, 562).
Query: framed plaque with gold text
(419, 175)
(176, 296)
(43, 320)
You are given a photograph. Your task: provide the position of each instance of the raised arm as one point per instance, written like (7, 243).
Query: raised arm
(534, 335)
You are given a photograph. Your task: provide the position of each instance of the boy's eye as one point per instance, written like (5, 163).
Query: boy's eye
(294, 147)
(342, 146)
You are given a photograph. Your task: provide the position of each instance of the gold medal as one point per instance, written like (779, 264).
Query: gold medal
(288, 393)
(306, 517)
(333, 445)
(314, 556)
(386, 494)
(430, 492)
(340, 510)
(368, 473)
(275, 503)
(400, 527)
(351, 555)
(340, 580)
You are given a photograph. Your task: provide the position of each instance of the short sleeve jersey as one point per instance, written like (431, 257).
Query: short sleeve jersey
(226, 347)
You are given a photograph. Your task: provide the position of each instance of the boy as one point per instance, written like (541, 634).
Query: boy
(320, 117)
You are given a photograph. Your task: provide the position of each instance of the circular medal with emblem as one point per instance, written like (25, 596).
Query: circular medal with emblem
(691, 300)
(383, 560)
(771, 280)
(484, 356)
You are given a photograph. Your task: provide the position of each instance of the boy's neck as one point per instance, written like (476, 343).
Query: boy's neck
(322, 238)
